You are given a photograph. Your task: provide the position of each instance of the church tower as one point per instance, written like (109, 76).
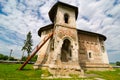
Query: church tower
(65, 36)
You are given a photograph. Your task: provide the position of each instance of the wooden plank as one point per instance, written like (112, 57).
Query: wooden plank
(36, 49)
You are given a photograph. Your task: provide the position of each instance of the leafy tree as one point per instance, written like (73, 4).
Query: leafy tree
(3, 57)
(118, 63)
(28, 44)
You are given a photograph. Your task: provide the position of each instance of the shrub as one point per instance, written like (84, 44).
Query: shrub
(3, 57)
(33, 59)
(118, 63)
(24, 58)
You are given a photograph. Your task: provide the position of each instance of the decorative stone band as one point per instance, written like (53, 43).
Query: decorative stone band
(67, 26)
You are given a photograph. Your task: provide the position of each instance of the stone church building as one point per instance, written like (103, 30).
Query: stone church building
(70, 50)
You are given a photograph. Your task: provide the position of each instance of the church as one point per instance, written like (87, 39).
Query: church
(70, 50)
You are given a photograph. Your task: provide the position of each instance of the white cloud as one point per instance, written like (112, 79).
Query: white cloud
(29, 15)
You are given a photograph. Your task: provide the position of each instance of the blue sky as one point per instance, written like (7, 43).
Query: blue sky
(18, 17)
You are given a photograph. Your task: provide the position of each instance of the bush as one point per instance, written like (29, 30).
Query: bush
(118, 63)
(12, 59)
(24, 58)
(34, 58)
(3, 57)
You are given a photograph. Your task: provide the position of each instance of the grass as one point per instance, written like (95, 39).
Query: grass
(11, 72)
(113, 64)
(107, 75)
(74, 75)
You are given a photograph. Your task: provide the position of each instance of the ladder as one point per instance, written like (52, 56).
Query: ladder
(36, 49)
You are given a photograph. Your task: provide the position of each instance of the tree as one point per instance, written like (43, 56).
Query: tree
(3, 57)
(28, 44)
(23, 49)
(118, 63)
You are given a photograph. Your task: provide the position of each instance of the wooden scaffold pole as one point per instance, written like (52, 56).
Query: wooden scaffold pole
(36, 49)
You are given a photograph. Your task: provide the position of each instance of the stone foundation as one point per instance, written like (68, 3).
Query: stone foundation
(95, 66)
(57, 70)
(65, 71)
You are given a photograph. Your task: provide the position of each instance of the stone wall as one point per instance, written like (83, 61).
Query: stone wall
(92, 53)
(89, 49)
(43, 53)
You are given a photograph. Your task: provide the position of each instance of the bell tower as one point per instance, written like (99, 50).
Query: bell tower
(65, 36)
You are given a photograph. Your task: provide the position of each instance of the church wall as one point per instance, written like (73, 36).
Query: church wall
(89, 49)
(44, 51)
(103, 51)
(92, 54)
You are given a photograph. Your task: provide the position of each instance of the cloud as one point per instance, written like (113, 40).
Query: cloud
(18, 17)
(10, 36)
(101, 16)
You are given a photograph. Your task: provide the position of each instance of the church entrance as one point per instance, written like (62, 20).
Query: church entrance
(66, 51)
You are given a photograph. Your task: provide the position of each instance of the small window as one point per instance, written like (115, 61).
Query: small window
(103, 49)
(89, 55)
(66, 17)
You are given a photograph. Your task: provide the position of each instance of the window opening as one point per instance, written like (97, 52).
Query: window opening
(103, 49)
(89, 55)
(66, 17)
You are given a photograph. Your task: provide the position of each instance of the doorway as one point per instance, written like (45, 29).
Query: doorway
(66, 51)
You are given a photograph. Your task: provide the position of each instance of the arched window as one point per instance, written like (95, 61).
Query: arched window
(66, 18)
(66, 51)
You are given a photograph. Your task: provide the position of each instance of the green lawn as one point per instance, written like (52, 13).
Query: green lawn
(10, 72)
(107, 75)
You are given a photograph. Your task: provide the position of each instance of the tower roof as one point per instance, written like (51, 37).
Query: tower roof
(53, 10)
